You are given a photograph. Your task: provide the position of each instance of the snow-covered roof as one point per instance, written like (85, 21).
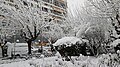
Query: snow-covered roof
(115, 43)
(85, 40)
(20, 44)
(67, 40)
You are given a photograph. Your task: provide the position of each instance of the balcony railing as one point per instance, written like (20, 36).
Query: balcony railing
(57, 13)
(44, 9)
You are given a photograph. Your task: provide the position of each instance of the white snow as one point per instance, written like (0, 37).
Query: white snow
(115, 43)
(20, 44)
(85, 40)
(58, 55)
(81, 61)
(67, 40)
(48, 62)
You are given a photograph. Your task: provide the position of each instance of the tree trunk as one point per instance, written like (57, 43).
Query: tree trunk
(3, 55)
(29, 47)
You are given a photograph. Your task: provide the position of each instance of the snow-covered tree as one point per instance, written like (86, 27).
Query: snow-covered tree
(96, 37)
(8, 25)
(109, 9)
(75, 21)
(88, 18)
(27, 17)
(30, 20)
(54, 31)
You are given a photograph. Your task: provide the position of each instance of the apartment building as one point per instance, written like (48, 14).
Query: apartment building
(50, 9)
(55, 9)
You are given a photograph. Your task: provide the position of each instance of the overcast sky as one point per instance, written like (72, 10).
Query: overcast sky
(74, 4)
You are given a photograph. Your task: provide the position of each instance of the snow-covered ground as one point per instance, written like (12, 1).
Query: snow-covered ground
(115, 42)
(49, 62)
(105, 60)
(81, 61)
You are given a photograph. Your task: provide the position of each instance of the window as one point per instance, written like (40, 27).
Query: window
(44, 9)
(11, 0)
(4, 10)
(46, 1)
(62, 5)
(3, 23)
(31, 5)
(56, 3)
(48, 27)
(46, 20)
(37, 6)
(46, 4)
(8, 24)
(2, 16)
(16, 6)
(25, 3)
(36, 0)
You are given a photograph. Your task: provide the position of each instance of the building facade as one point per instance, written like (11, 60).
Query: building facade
(56, 9)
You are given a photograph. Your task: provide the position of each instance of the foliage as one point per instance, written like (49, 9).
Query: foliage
(108, 9)
(27, 18)
(96, 37)
(8, 25)
(109, 60)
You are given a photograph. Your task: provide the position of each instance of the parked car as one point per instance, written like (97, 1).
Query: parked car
(20, 49)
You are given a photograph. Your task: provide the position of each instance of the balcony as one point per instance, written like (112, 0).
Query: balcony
(44, 9)
(57, 12)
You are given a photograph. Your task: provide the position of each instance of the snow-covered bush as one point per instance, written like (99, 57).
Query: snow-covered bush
(70, 46)
(109, 60)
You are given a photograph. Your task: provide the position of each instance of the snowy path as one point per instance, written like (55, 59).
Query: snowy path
(53, 62)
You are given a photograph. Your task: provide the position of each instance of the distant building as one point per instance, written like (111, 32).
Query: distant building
(56, 9)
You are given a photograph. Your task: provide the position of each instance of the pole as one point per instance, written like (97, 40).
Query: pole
(14, 46)
(41, 48)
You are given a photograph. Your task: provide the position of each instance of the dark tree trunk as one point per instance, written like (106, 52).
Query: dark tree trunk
(3, 55)
(29, 47)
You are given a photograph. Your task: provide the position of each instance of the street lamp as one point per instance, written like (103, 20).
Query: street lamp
(14, 37)
(39, 41)
(17, 41)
